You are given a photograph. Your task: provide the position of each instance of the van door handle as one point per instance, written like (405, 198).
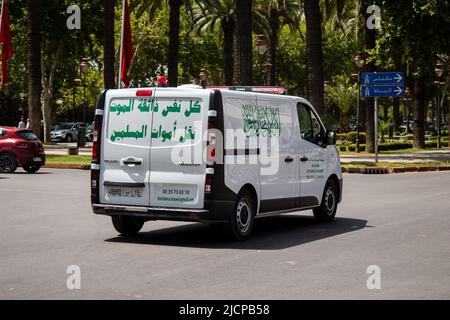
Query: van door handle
(304, 159)
(131, 162)
(288, 159)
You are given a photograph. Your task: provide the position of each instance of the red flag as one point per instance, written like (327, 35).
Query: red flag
(127, 45)
(5, 42)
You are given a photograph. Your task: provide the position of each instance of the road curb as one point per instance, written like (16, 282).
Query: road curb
(391, 170)
(68, 166)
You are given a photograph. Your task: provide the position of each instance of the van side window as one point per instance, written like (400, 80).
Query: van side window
(310, 128)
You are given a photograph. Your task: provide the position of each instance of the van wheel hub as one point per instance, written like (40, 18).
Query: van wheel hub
(330, 201)
(243, 212)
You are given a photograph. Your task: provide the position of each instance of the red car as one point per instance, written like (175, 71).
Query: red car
(20, 148)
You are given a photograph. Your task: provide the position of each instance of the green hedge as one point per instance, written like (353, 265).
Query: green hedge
(390, 146)
(350, 137)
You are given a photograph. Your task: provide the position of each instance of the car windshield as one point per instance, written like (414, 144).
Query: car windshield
(27, 135)
(61, 126)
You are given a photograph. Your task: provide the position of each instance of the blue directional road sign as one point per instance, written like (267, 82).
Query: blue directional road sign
(382, 78)
(382, 91)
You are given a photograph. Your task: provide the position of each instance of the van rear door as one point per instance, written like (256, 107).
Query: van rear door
(125, 150)
(178, 143)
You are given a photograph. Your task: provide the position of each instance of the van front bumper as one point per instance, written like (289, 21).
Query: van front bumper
(155, 213)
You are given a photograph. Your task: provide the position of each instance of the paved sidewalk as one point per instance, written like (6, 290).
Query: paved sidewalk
(422, 156)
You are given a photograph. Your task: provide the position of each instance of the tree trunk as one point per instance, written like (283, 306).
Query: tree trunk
(108, 45)
(419, 112)
(47, 92)
(344, 122)
(448, 99)
(244, 43)
(314, 53)
(228, 47)
(174, 41)
(396, 114)
(34, 65)
(274, 26)
(370, 67)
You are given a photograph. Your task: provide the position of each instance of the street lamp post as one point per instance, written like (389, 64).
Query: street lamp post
(439, 72)
(84, 68)
(359, 62)
(203, 78)
(267, 66)
(406, 106)
(261, 44)
(76, 83)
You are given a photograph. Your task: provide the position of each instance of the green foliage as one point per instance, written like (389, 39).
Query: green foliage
(342, 92)
(350, 138)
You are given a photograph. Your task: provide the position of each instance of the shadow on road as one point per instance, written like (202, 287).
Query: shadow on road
(31, 174)
(273, 233)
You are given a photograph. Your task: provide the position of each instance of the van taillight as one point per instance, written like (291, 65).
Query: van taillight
(211, 154)
(96, 139)
(144, 93)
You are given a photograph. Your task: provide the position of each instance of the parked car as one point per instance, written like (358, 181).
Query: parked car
(143, 167)
(20, 148)
(66, 131)
(90, 133)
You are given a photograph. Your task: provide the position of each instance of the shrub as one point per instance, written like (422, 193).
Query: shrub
(346, 138)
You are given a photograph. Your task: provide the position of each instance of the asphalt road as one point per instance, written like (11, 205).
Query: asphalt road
(400, 223)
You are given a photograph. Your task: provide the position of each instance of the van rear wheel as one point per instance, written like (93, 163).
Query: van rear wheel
(328, 207)
(127, 226)
(242, 219)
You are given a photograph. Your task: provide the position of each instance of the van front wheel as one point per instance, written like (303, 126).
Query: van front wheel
(241, 222)
(328, 206)
(127, 226)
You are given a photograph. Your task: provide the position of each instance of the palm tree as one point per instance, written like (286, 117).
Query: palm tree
(278, 13)
(314, 53)
(108, 44)
(343, 94)
(209, 13)
(244, 50)
(34, 64)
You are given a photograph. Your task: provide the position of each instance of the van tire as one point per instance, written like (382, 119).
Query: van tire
(241, 221)
(328, 207)
(127, 226)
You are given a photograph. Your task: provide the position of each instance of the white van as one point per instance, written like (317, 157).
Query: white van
(218, 156)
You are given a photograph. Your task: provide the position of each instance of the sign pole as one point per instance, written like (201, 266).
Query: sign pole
(376, 129)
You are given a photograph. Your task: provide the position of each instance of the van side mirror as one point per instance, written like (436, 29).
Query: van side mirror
(331, 138)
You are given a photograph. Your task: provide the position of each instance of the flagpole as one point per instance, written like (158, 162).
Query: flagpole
(119, 83)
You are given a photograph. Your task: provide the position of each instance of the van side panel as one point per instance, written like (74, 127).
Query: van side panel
(280, 185)
(241, 149)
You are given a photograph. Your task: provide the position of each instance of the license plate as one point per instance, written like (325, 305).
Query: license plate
(37, 159)
(125, 192)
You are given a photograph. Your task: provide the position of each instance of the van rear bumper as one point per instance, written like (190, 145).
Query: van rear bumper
(155, 213)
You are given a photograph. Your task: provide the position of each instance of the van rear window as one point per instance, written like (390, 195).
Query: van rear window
(27, 135)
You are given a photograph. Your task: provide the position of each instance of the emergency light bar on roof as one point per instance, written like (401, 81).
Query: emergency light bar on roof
(260, 89)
